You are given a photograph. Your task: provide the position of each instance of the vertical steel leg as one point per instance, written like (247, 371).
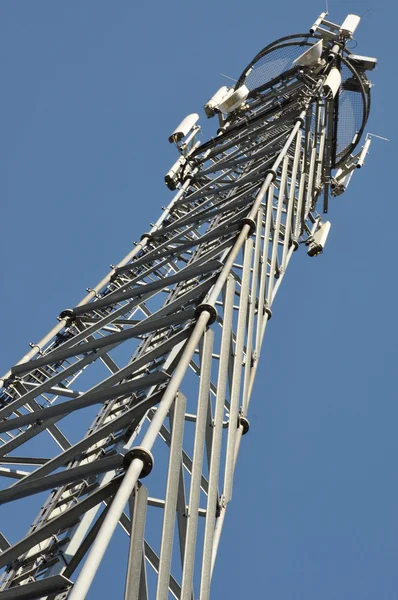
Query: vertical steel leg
(193, 507)
(171, 497)
(217, 440)
(135, 584)
(237, 373)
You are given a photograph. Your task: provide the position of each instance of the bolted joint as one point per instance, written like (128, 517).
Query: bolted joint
(8, 381)
(144, 455)
(210, 309)
(301, 120)
(245, 423)
(66, 314)
(267, 311)
(271, 172)
(145, 235)
(251, 223)
(33, 345)
(92, 291)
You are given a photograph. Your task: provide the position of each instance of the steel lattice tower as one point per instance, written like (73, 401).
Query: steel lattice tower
(169, 342)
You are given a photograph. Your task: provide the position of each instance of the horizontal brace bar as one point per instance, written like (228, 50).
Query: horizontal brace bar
(128, 418)
(179, 249)
(192, 295)
(27, 561)
(22, 460)
(4, 472)
(231, 135)
(37, 589)
(87, 399)
(56, 390)
(9, 408)
(60, 522)
(202, 215)
(109, 340)
(185, 274)
(249, 178)
(4, 543)
(159, 503)
(103, 465)
(268, 151)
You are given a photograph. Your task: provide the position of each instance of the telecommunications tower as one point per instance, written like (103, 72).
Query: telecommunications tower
(160, 357)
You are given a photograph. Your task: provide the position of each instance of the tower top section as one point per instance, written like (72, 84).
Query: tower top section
(305, 55)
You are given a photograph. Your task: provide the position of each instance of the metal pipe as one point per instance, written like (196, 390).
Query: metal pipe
(252, 307)
(292, 197)
(317, 23)
(262, 333)
(237, 372)
(214, 467)
(217, 536)
(275, 236)
(197, 462)
(162, 592)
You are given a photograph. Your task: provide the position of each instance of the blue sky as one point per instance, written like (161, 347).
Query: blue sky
(91, 92)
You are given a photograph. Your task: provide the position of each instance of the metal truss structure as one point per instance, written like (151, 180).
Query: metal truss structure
(162, 354)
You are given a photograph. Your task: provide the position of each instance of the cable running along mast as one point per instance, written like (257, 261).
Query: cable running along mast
(160, 357)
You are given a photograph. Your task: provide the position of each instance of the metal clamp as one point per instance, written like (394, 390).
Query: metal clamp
(245, 423)
(210, 309)
(251, 223)
(267, 311)
(66, 314)
(144, 455)
(39, 350)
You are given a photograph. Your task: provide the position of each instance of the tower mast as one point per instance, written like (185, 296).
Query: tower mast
(165, 349)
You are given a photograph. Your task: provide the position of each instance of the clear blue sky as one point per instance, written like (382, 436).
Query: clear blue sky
(90, 92)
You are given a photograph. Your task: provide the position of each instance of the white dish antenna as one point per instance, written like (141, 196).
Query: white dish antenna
(310, 57)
